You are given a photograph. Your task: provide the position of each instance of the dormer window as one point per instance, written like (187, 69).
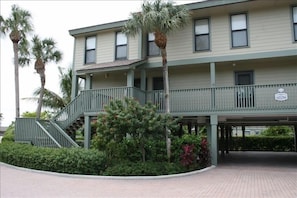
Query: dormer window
(90, 50)
(121, 46)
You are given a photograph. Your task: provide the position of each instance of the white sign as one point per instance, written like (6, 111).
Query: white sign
(281, 95)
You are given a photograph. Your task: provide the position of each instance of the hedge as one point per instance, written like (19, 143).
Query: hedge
(262, 143)
(62, 160)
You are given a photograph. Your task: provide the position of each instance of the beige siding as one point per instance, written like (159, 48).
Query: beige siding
(107, 80)
(79, 53)
(106, 47)
(269, 29)
(133, 47)
(189, 77)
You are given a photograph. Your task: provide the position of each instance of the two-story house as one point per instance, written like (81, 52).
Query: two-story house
(234, 64)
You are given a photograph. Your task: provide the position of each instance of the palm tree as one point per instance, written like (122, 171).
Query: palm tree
(18, 25)
(160, 18)
(44, 51)
(51, 99)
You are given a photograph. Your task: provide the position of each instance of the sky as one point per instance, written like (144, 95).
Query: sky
(53, 19)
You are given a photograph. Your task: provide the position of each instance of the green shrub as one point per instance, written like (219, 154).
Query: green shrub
(144, 169)
(65, 160)
(278, 131)
(127, 120)
(263, 143)
(9, 134)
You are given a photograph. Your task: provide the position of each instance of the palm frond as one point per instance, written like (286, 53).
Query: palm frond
(158, 16)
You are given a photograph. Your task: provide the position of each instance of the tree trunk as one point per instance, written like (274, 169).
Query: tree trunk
(166, 98)
(16, 78)
(42, 79)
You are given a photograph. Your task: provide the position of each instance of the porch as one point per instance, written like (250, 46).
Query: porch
(245, 99)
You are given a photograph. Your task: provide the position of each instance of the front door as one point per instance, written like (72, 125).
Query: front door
(244, 92)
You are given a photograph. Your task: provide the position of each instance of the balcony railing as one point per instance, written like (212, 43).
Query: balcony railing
(202, 100)
(233, 98)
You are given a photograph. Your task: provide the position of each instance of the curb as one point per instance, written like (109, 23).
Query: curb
(109, 177)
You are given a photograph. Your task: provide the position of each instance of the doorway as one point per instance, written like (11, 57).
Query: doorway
(244, 90)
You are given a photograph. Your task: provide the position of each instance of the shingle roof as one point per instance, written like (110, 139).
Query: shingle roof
(110, 66)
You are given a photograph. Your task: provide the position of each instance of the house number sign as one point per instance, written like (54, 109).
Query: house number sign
(281, 95)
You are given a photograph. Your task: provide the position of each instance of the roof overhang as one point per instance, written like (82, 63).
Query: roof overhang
(96, 28)
(119, 24)
(111, 66)
(212, 3)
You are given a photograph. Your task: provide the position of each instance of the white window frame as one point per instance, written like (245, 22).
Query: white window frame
(121, 42)
(238, 26)
(90, 50)
(200, 31)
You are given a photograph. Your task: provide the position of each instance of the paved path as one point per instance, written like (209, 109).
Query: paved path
(239, 175)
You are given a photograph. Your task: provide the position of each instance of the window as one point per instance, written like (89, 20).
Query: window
(239, 30)
(295, 22)
(202, 41)
(121, 46)
(153, 49)
(90, 53)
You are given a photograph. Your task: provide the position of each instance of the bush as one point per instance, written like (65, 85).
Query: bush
(128, 121)
(9, 134)
(144, 169)
(263, 143)
(65, 160)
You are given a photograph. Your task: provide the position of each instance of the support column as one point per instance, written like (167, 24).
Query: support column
(143, 86)
(130, 78)
(143, 80)
(130, 83)
(222, 141)
(214, 139)
(213, 83)
(228, 128)
(87, 132)
(295, 129)
(243, 137)
(74, 88)
(88, 84)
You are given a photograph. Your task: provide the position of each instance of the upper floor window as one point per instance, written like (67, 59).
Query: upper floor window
(121, 46)
(295, 22)
(239, 33)
(153, 49)
(90, 51)
(202, 38)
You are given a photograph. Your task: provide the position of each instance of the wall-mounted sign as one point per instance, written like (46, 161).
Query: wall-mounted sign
(281, 95)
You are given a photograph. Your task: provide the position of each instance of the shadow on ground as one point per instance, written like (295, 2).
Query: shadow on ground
(259, 158)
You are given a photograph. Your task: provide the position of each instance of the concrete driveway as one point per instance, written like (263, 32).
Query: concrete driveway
(238, 175)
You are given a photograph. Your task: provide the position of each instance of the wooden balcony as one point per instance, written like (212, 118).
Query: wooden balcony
(201, 101)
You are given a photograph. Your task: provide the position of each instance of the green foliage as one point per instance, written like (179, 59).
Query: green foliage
(129, 121)
(144, 169)
(278, 131)
(178, 143)
(263, 143)
(44, 115)
(9, 134)
(66, 160)
(158, 16)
